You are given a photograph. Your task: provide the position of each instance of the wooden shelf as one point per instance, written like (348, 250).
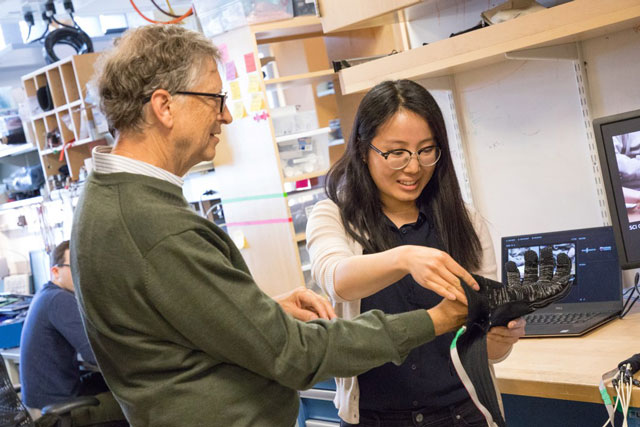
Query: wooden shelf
(301, 237)
(566, 23)
(303, 134)
(306, 176)
(341, 15)
(296, 28)
(57, 110)
(302, 79)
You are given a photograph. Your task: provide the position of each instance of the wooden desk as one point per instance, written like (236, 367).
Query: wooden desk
(570, 368)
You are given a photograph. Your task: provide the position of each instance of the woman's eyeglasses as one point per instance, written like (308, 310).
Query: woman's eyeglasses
(400, 157)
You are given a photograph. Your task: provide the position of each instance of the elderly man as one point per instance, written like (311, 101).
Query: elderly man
(180, 330)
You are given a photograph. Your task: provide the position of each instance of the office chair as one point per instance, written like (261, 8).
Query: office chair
(13, 413)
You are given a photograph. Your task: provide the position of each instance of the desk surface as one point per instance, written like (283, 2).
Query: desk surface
(570, 368)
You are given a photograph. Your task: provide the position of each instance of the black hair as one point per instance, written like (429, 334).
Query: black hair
(350, 186)
(57, 255)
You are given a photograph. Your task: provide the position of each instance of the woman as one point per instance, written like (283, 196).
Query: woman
(388, 238)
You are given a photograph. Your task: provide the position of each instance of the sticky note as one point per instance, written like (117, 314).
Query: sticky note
(224, 52)
(238, 238)
(238, 111)
(234, 88)
(250, 62)
(257, 102)
(230, 68)
(254, 83)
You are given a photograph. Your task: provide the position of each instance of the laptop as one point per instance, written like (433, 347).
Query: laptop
(596, 293)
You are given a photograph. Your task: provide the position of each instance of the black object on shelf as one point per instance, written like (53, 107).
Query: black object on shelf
(45, 101)
(480, 25)
(304, 7)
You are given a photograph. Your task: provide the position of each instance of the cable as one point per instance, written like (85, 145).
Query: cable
(627, 307)
(61, 24)
(69, 36)
(164, 11)
(173, 21)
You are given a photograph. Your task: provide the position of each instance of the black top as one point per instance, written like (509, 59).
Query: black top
(426, 379)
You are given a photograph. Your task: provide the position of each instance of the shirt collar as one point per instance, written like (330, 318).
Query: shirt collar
(105, 162)
(422, 217)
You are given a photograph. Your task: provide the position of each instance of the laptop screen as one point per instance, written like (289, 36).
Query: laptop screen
(596, 271)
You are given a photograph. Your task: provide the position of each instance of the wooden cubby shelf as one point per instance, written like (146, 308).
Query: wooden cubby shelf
(566, 23)
(67, 80)
(301, 79)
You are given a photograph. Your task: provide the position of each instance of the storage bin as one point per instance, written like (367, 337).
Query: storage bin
(10, 333)
(305, 155)
(301, 204)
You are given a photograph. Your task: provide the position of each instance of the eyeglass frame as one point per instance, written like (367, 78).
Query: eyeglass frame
(386, 155)
(222, 96)
(63, 265)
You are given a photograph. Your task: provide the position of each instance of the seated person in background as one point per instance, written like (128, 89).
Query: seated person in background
(52, 338)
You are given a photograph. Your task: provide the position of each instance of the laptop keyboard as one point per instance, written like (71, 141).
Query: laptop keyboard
(559, 318)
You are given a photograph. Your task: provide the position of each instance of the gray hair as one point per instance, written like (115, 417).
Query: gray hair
(146, 59)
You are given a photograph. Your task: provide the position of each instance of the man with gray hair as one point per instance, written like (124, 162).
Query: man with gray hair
(182, 333)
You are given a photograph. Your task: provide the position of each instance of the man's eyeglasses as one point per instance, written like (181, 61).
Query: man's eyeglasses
(221, 96)
(63, 265)
(400, 157)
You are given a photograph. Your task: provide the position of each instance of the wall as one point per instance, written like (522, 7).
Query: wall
(531, 167)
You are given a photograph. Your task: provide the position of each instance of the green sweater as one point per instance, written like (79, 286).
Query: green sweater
(181, 331)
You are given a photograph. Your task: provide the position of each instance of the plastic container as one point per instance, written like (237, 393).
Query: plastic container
(301, 204)
(305, 155)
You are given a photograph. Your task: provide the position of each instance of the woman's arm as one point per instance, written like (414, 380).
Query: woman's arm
(347, 275)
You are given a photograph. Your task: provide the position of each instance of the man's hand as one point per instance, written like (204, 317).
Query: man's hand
(500, 338)
(304, 304)
(448, 316)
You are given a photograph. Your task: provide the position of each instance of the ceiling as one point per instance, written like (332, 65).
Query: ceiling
(11, 10)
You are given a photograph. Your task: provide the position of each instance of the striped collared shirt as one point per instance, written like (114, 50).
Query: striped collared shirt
(105, 162)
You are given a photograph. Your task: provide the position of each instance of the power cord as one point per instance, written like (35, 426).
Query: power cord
(172, 15)
(634, 291)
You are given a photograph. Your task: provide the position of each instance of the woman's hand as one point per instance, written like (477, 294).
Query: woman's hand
(304, 304)
(436, 270)
(500, 338)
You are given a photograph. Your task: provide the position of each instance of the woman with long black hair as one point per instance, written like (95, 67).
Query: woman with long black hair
(395, 235)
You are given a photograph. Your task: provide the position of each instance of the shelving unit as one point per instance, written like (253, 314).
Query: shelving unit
(70, 116)
(307, 176)
(302, 79)
(340, 15)
(566, 23)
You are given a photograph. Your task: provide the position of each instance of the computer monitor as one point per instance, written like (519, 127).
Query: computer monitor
(618, 142)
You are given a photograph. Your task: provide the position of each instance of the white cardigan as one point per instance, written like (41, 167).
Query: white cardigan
(328, 244)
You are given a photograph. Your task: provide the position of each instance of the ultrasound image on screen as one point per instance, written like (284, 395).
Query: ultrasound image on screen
(517, 254)
(627, 150)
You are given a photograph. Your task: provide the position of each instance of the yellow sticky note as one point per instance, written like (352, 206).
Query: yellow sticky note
(254, 83)
(238, 111)
(257, 102)
(234, 87)
(239, 239)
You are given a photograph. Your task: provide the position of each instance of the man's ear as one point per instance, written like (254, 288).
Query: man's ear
(160, 107)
